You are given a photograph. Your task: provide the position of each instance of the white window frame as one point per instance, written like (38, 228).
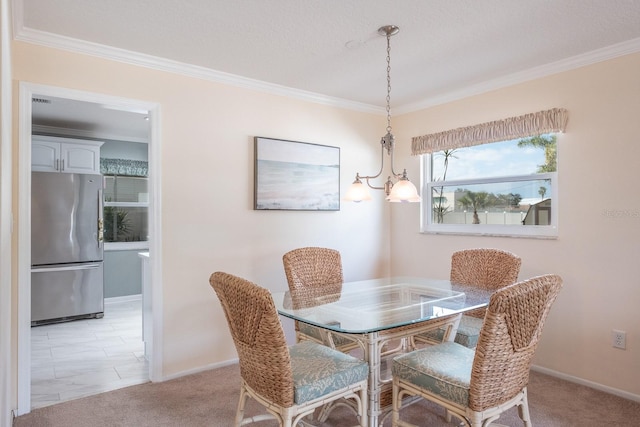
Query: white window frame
(136, 245)
(427, 226)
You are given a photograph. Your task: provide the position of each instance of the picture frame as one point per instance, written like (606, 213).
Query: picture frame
(293, 175)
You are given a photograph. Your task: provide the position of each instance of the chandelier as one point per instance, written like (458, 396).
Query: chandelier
(402, 190)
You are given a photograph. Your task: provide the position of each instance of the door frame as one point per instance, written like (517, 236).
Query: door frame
(6, 216)
(27, 91)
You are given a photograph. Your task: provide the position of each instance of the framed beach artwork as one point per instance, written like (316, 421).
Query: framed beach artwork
(292, 175)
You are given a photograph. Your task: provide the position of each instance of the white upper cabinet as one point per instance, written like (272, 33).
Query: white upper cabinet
(66, 155)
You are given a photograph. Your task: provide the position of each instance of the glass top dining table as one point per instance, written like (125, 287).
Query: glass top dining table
(378, 304)
(378, 311)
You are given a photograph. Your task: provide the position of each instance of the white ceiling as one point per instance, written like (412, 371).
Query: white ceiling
(72, 118)
(329, 50)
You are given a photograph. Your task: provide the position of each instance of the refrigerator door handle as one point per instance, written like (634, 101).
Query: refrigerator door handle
(65, 268)
(100, 219)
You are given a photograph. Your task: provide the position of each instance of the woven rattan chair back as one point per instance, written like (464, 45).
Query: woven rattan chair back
(312, 272)
(484, 268)
(510, 334)
(265, 363)
(312, 267)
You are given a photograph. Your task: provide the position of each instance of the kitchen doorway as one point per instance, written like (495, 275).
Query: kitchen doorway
(37, 93)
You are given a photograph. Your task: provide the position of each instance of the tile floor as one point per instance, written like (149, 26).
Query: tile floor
(84, 357)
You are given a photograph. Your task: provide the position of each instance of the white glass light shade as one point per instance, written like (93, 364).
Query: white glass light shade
(357, 192)
(403, 191)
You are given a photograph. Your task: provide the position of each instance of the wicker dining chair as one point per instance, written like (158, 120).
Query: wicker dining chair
(477, 386)
(316, 269)
(290, 382)
(484, 268)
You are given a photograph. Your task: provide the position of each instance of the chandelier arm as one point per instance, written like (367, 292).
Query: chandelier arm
(393, 172)
(372, 186)
(379, 172)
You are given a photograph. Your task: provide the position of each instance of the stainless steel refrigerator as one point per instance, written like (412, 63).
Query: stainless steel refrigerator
(66, 247)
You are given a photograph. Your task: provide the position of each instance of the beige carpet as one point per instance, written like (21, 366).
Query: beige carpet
(210, 398)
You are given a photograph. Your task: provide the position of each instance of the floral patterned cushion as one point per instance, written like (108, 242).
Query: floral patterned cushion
(318, 370)
(443, 369)
(315, 332)
(467, 335)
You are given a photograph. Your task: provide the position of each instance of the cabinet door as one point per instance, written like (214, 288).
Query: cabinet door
(55, 154)
(80, 158)
(45, 156)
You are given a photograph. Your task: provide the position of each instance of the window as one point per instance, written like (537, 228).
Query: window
(126, 209)
(497, 178)
(502, 188)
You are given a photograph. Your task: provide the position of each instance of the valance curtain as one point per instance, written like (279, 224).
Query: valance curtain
(554, 120)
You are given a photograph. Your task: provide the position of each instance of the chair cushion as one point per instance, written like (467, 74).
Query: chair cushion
(315, 332)
(469, 331)
(310, 330)
(442, 369)
(467, 335)
(318, 370)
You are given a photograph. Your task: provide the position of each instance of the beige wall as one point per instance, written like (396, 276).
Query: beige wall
(208, 221)
(597, 254)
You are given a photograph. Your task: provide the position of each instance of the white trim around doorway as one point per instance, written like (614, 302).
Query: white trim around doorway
(6, 217)
(27, 91)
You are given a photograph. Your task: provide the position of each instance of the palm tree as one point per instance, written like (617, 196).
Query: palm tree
(439, 209)
(548, 143)
(542, 191)
(474, 200)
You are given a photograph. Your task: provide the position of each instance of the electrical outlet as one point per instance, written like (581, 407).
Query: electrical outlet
(619, 339)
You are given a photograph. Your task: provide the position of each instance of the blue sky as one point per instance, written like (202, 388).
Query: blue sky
(497, 159)
(493, 160)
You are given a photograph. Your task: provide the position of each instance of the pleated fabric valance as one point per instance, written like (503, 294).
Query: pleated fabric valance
(554, 120)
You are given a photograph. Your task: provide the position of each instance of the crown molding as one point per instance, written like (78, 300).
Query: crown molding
(143, 60)
(106, 52)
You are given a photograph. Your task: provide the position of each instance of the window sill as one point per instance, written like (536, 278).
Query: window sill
(536, 232)
(125, 246)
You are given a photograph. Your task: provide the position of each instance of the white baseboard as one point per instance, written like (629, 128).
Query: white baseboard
(126, 298)
(587, 383)
(200, 369)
